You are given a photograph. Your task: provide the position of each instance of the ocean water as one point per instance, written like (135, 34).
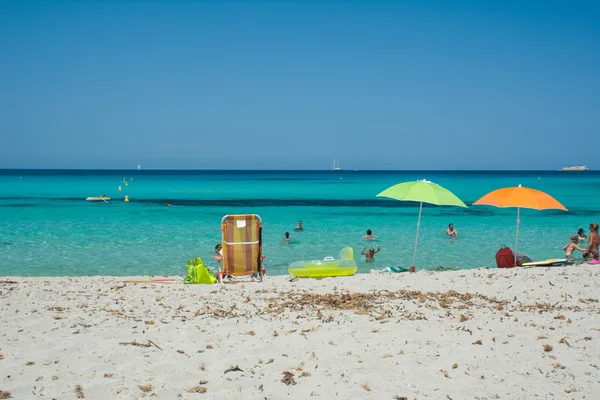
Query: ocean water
(48, 229)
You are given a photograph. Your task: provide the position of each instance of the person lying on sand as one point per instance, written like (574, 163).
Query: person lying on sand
(369, 255)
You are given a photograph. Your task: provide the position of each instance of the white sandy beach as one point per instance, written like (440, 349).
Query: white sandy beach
(478, 334)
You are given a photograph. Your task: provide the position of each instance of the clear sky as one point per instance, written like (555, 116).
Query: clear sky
(291, 85)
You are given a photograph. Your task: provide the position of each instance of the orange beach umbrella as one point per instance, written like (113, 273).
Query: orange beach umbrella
(520, 197)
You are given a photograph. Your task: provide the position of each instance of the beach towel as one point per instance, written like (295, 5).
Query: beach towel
(440, 268)
(198, 273)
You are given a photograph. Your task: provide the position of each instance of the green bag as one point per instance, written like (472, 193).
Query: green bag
(198, 273)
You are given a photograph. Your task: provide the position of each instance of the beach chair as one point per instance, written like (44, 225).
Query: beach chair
(242, 248)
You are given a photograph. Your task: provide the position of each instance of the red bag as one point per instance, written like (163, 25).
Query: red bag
(505, 258)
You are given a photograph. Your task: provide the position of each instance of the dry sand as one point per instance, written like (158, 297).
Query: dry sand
(478, 334)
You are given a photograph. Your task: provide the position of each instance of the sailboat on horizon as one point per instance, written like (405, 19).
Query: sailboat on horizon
(139, 167)
(335, 167)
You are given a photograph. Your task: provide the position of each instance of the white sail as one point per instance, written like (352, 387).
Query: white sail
(335, 167)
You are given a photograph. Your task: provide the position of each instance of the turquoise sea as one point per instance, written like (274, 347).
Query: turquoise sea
(48, 229)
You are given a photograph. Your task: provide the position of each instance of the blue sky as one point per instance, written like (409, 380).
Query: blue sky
(291, 85)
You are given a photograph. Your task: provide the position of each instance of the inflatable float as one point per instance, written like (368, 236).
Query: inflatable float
(97, 198)
(343, 266)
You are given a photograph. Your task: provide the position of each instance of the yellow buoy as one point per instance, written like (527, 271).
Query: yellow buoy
(120, 188)
(126, 199)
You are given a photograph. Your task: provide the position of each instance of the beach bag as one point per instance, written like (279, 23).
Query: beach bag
(505, 258)
(198, 273)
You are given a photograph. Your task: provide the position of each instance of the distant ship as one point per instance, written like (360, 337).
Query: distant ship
(335, 167)
(575, 168)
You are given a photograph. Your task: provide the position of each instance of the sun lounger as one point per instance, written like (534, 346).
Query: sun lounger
(242, 247)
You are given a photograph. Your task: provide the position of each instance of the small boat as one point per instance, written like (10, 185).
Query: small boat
(343, 266)
(101, 198)
(575, 168)
(335, 167)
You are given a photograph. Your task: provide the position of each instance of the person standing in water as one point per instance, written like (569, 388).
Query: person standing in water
(369, 255)
(369, 235)
(592, 247)
(287, 238)
(299, 227)
(451, 231)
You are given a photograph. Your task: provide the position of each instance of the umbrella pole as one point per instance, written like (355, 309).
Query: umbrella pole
(417, 239)
(517, 242)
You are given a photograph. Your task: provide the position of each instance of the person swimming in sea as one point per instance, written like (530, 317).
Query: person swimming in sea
(287, 239)
(369, 235)
(370, 255)
(451, 231)
(299, 227)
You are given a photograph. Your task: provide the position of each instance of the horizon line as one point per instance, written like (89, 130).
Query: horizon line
(293, 170)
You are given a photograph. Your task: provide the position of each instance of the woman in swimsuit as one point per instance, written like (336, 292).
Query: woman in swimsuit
(571, 247)
(580, 235)
(592, 247)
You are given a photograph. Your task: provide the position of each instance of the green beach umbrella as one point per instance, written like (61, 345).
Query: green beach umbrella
(422, 192)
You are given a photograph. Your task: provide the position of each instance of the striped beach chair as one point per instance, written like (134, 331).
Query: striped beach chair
(242, 247)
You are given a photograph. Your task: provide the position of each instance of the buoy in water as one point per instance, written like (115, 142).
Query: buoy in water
(126, 199)
(120, 188)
